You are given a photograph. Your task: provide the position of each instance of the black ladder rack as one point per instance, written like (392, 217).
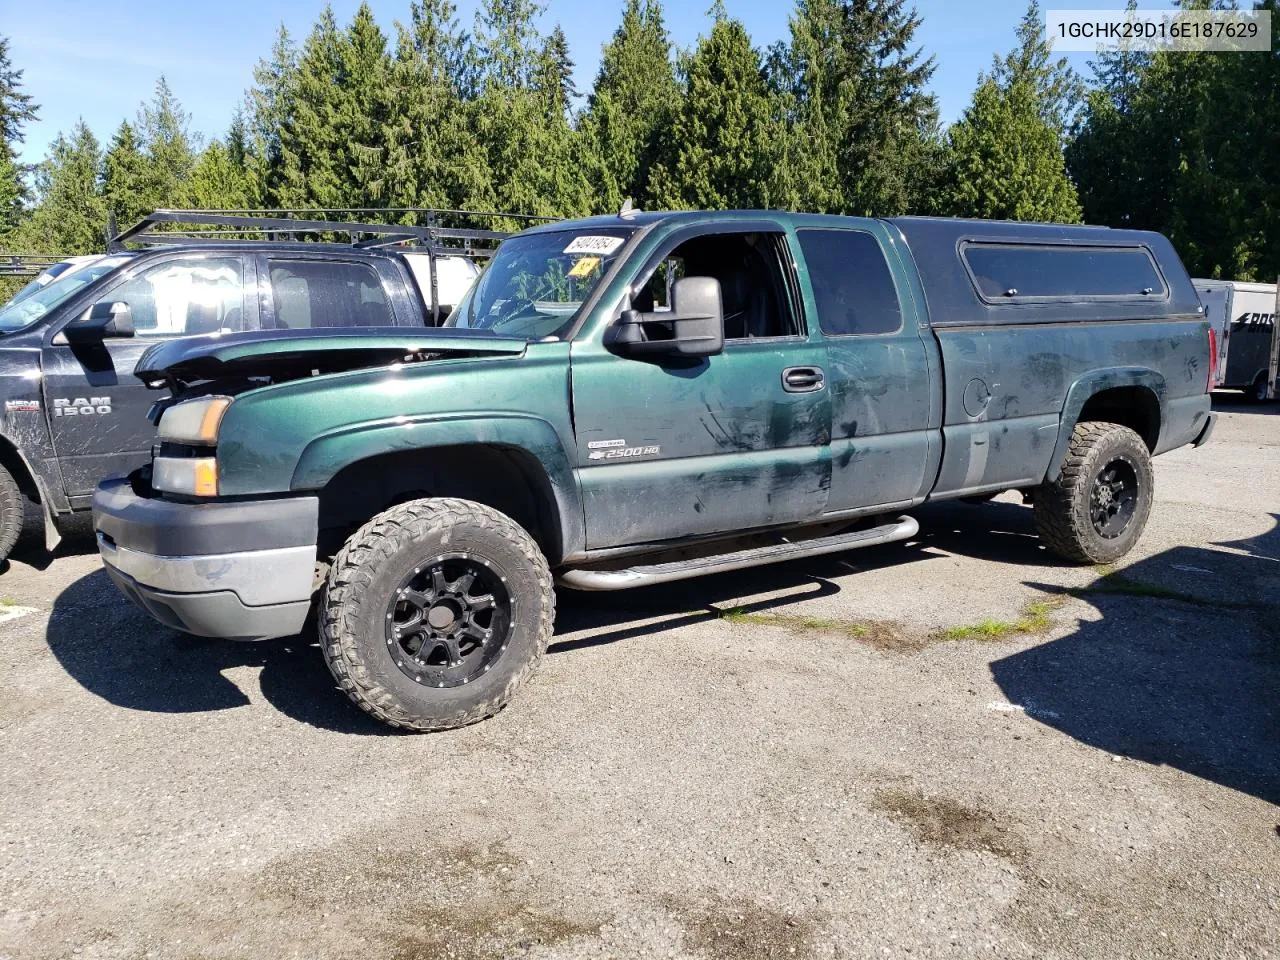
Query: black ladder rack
(436, 233)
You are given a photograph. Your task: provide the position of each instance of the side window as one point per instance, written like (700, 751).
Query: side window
(185, 297)
(753, 289)
(319, 293)
(851, 282)
(1009, 271)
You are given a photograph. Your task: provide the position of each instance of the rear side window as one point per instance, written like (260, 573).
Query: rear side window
(316, 293)
(851, 283)
(1061, 272)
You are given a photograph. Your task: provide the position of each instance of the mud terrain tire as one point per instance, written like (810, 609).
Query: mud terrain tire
(425, 584)
(1097, 508)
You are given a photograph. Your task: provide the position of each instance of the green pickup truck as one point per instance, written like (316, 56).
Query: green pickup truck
(629, 400)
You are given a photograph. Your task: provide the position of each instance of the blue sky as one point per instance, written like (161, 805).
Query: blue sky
(86, 58)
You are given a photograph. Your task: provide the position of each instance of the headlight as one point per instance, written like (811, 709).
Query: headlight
(194, 421)
(193, 476)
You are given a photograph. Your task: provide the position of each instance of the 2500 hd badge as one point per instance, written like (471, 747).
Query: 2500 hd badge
(618, 450)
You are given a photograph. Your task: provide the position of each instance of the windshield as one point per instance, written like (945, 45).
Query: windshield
(29, 289)
(23, 313)
(536, 283)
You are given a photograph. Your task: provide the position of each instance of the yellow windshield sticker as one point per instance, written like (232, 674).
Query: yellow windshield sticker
(584, 267)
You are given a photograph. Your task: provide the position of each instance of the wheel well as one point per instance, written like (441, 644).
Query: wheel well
(508, 479)
(12, 461)
(1134, 407)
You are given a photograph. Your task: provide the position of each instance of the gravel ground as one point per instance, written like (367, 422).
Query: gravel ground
(955, 747)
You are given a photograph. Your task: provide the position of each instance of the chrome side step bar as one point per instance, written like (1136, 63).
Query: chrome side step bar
(903, 528)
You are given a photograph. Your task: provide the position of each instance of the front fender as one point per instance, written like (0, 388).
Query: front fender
(329, 453)
(1094, 382)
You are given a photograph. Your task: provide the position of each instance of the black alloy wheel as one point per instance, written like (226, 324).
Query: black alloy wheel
(1114, 498)
(449, 620)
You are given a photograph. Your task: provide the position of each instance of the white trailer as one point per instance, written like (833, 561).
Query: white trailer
(1244, 318)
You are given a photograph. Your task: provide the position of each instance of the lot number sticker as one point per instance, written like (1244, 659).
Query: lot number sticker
(583, 267)
(599, 245)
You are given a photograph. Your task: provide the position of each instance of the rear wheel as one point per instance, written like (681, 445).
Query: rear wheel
(12, 511)
(1097, 508)
(1257, 391)
(434, 612)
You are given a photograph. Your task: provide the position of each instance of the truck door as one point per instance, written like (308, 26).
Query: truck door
(97, 409)
(877, 370)
(676, 447)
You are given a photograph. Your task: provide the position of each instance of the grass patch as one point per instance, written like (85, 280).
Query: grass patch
(738, 615)
(1034, 619)
(882, 634)
(7, 602)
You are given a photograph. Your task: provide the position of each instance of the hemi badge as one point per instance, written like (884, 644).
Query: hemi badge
(22, 406)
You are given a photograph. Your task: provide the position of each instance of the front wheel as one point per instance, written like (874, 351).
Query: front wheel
(434, 612)
(1097, 508)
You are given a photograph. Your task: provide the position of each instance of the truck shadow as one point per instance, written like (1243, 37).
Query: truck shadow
(120, 654)
(1181, 669)
(612, 617)
(999, 532)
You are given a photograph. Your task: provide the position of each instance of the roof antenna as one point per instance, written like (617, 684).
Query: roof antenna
(628, 211)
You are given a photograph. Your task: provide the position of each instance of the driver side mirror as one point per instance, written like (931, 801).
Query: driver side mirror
(693, 327)
(104, 319)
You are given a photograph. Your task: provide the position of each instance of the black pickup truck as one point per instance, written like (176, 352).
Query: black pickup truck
(73, 412)
(631, 400)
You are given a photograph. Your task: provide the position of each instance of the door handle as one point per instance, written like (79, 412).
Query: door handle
(803, 379)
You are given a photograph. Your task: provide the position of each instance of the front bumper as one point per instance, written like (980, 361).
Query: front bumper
(242, 570)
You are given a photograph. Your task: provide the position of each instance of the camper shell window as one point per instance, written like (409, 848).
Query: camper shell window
(1022, 272)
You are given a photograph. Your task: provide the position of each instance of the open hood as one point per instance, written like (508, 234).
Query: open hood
(290, 354)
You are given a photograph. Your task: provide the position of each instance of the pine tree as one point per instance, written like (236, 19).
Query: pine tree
(631, 106)
(1184, 143)
(1253, 143)
(169, 148)
(433, 157)
(522, 128)
(862, 127)
(217, 182)
(17, 109)
(363, 110)
(555, 74)
(268, 105)
(333, 128)
(1004, 160)
(722, 140)
(71, 216)
(1058, 89)
(12, 192)
(507, 42)
(125, 177)
(1108, 158)
(308, 173)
